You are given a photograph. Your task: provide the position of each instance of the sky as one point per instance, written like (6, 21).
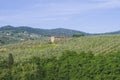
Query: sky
(91, 16)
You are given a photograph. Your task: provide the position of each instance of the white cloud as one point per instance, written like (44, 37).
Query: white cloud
(69, 8)
(108, 4)
(59, 11)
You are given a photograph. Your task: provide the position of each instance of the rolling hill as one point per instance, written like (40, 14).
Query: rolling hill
(11, 34)
(43, 32)
(96, 44)
(83, 58)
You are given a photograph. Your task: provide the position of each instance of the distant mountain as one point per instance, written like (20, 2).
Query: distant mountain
(11, 34)
(43, 32)
(49, 32)
(108, 33)
(115, 32)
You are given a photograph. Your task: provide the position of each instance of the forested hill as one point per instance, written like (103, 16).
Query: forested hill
(11, 34)
(115, 32)
(43, 32)
(50, 32)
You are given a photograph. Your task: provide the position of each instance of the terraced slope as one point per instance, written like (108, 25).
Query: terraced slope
(43, 48)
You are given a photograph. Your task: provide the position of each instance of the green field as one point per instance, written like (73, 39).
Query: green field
(99, 53)
(43, 48)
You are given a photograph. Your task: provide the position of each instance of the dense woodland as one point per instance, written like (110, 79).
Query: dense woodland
(70, 66)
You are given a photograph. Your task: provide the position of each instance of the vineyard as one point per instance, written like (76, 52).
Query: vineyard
(41, 60)
(43, 48)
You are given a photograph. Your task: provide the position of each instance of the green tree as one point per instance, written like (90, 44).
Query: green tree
(78, 35)
(10, 60)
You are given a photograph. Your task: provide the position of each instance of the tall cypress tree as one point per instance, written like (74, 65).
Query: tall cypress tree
(10, 60)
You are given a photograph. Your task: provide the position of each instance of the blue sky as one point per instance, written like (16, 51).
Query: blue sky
(93, 16)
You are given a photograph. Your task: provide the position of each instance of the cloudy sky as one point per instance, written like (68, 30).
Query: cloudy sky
(93, 16)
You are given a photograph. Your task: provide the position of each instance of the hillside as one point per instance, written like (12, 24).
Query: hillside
(84, 58)
(107, 33)
(115, 32)
(10, 34)
(43, 32)
(42, 47)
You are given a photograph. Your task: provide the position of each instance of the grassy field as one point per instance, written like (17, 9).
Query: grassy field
(43, 48)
